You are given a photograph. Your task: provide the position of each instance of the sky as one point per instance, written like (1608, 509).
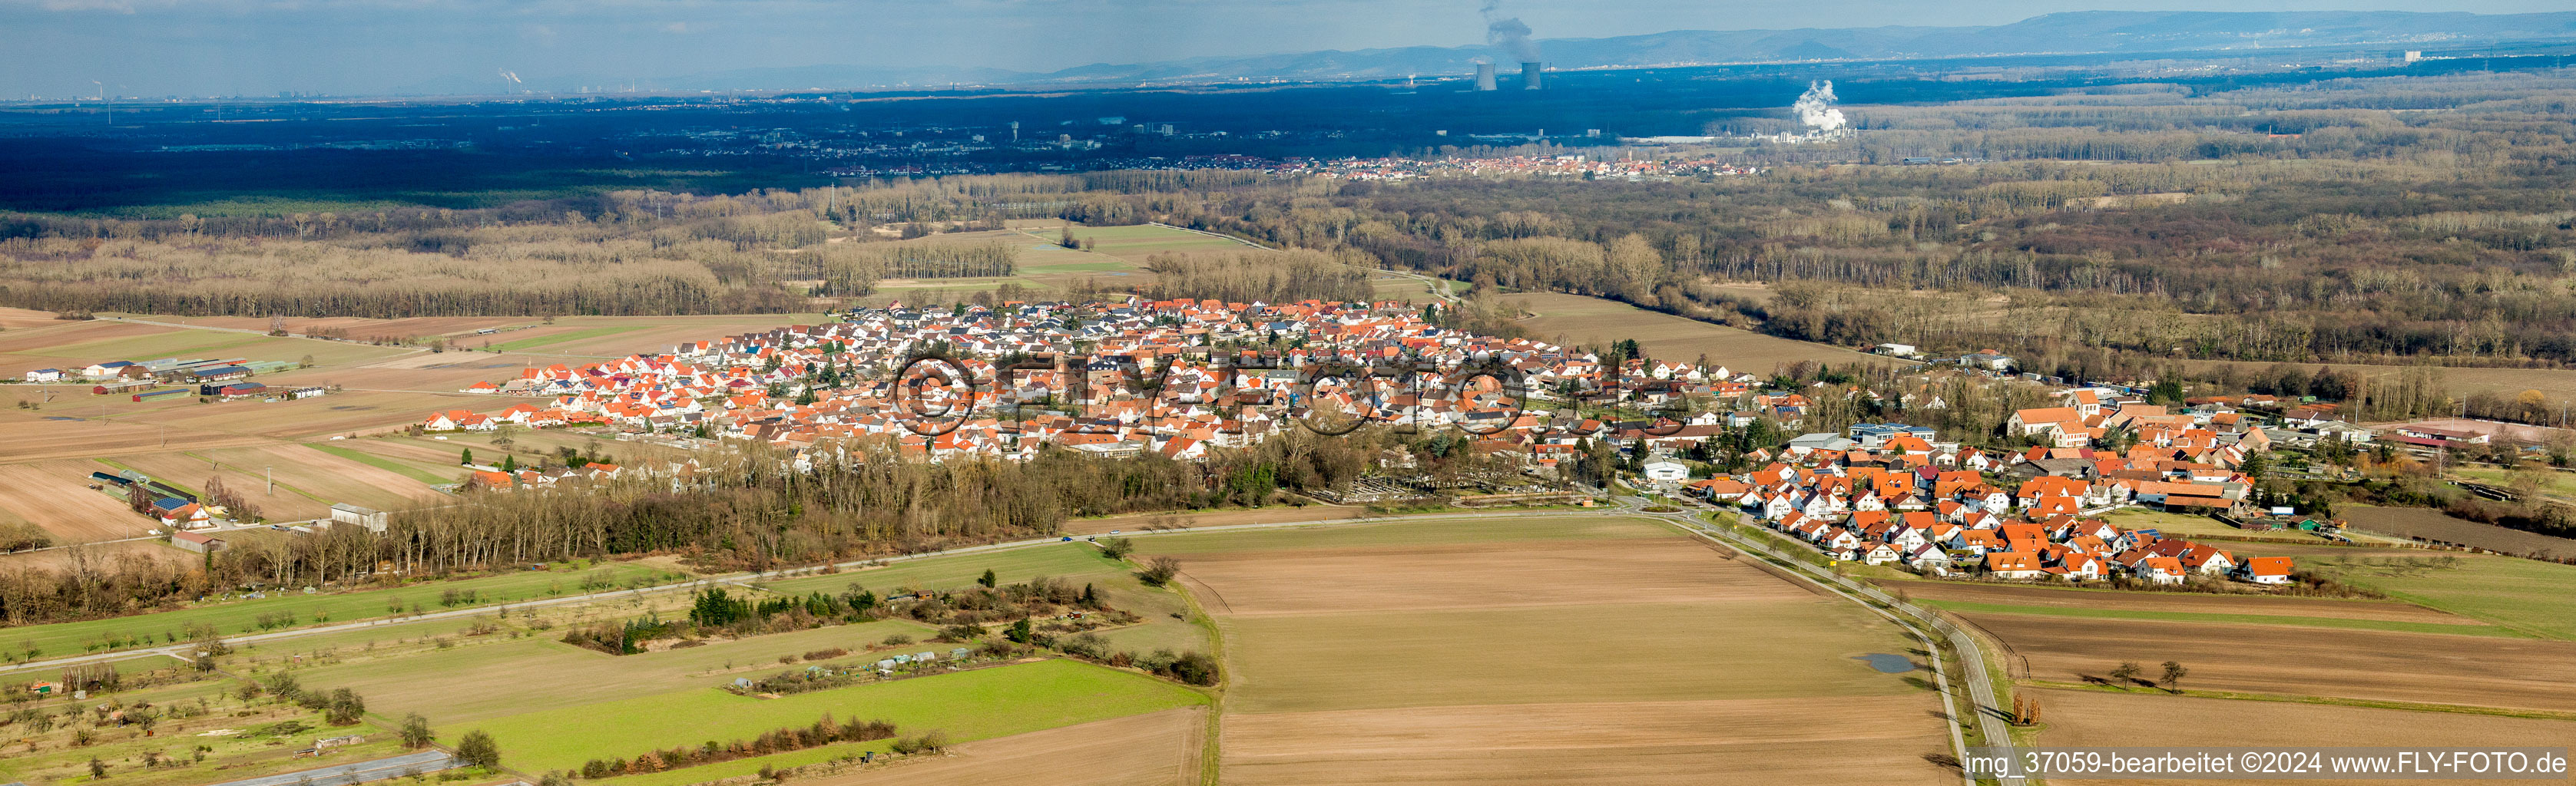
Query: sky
(153, 48)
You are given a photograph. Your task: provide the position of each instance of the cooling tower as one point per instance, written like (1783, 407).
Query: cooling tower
(1484, 76)
(1529, 76)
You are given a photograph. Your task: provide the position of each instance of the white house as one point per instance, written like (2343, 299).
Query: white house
(1666, 470)
(2265, 570)
(45, 375)
(1987, 359)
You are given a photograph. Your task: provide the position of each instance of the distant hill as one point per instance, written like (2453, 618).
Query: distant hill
(2078, 32)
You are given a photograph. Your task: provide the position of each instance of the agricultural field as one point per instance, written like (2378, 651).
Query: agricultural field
(576, 676)
(2188, 606)
(2557, 384)
(2190, 526)
(2143, 717)
(82, 343)
(572, 340)
(308, 482)
(2436, 525)
(969, 705)
(2289, 660)
(2555, 484)
(2527, 595)
(78, 434)
(1073, 563)
(1212, 518)
(239, 616)
(1585, 320)
(1153, 749)
(1575, 650)
(55, 495)
(429, 472)
(202, 733)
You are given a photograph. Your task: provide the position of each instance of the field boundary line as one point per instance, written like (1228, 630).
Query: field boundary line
(1212, 747)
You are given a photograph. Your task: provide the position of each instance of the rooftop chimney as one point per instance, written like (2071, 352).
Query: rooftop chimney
(1529, 76)
(1484, 76)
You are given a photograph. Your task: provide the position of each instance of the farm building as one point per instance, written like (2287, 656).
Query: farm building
(158, 395)
(111, 478)
(110, 369)
(160, 489)
(45, 375)
(305, 392)
(344, 513)
(222, 373)
(232, 389)
(119, 386)
(199, 542)
(180, 513)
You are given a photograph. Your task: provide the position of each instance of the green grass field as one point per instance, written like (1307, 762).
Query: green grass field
(51, 759)
(2556, 483)
(240, 616)
(569, 676)
(2528, 595)
(1075, 563)
(406, 469)
(970, 705)
(2255, 619)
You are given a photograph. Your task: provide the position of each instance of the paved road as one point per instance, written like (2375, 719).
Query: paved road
(357, 772)
(1991, 719)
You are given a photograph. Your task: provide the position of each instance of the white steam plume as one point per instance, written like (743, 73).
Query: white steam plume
(1507, 33)
(1816, 107)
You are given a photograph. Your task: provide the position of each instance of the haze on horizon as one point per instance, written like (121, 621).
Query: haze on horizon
(154, 48)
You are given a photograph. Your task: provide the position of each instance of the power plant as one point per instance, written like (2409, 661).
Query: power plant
(1484, 76)
(1529, 75)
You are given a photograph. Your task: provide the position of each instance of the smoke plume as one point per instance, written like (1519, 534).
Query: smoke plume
(1508, 34)
(1816, 107)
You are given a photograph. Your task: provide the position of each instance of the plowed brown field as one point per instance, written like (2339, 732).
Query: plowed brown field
(2361, 664)
(2092, 719)
(1744, 741)
(1430, 652)
(55, 495)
